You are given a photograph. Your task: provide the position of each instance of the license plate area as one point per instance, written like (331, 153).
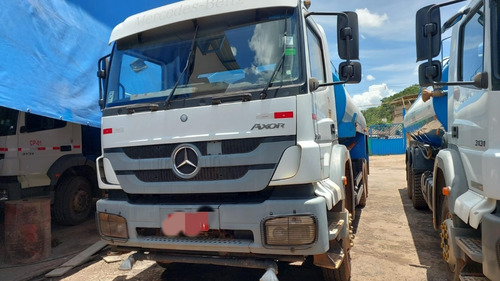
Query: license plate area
(189, 221)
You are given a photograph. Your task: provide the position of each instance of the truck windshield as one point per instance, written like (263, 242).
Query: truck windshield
(8, 121)
(230, 54)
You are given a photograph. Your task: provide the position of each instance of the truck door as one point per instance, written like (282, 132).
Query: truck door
(323, 113)
(470, 126)
(41, 141)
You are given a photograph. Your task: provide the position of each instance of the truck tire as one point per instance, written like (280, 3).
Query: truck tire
(362, 201)
(73, 200)
(417, 197)
(343, 273)
(409, 180)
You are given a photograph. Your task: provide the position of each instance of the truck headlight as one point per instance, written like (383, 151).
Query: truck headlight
(113, 226)
(290, 231)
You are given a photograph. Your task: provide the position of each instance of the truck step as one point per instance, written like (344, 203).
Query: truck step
(473, 277)
(335, 228)
(471, 247)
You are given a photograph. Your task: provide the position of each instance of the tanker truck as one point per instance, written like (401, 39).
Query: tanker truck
(453, 160)
(224, 141)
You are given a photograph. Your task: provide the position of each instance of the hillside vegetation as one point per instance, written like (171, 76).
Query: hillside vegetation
(375, 115)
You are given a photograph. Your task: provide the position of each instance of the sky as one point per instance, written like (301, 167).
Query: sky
(387, 43)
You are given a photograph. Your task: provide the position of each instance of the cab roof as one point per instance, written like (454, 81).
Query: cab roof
(188, 10)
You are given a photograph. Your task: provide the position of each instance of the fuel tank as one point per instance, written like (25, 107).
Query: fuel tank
(349, 116)
(426, 122)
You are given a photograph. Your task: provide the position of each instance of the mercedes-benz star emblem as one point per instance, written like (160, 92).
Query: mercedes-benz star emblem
(184, 117)
(185, 161)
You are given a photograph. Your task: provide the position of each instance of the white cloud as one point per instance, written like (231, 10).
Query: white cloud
(373, 96)
(368, 19)
(370, 77)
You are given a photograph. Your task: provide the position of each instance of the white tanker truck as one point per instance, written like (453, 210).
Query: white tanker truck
(453, 162)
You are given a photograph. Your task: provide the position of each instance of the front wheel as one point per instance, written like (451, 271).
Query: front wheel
(73, 200)
(452, 269)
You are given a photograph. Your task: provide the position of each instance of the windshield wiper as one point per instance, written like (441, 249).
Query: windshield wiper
(188, 63)
(142, 107)
(244, 97)
(263, 95)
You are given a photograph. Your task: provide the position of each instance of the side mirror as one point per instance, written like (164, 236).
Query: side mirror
(429, 73)
(428, 32)
(102, 74)
(348, 36)
(350, 72)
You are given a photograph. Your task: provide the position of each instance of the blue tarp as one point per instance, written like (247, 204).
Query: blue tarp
(49, 52)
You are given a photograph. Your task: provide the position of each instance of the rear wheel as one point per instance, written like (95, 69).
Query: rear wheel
(362, 201)
(409, 179)
(417, 196)
(73, 200)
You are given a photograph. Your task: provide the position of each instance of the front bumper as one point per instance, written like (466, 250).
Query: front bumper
(228, 217)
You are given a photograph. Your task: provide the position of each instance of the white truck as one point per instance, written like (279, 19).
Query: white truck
(453, 164)
(42, 156)
(224, 141)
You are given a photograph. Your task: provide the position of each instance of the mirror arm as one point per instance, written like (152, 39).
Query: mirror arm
(480, 82)
(334, 83)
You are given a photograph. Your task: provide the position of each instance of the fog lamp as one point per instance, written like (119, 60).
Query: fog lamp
(113, 226)
(290, 231)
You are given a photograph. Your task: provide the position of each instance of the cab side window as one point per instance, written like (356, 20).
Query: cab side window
(315, 56)
(8, 121)
(472, 45)
(34, 123)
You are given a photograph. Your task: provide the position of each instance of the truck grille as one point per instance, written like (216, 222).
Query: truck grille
(205, 174)
(166, 150)
(226, 166)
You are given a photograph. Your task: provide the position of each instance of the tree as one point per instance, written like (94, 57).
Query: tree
(376, 115)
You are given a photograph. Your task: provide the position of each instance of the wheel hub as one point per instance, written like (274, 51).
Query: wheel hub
(80, 203)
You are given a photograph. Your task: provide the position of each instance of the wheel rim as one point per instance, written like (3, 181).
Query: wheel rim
(444, 243)
(81, 201)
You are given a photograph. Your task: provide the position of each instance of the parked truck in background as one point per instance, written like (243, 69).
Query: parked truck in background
(49, 120)
(453, 163)
(41, 156)
(223, 140)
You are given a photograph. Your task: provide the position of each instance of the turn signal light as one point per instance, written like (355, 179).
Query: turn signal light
(113, 226)
(446, 190)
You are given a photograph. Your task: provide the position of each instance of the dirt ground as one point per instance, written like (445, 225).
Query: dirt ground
(393, 242)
